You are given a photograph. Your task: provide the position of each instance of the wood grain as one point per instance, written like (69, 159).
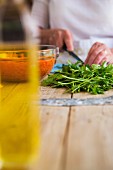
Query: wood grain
(53, 127)
(90, 142)
(84, 95)
(73, 138)
(48, 92)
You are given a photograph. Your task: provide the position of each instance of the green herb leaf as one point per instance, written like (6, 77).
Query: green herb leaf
(95, 79)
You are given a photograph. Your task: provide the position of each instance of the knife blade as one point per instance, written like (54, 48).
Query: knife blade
(73, 54)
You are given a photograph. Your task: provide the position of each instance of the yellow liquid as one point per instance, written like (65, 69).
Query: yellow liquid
(19, 112)
(19, 125)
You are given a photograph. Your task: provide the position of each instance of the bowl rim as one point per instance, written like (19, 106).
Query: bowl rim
(38, 46)
(24, 50)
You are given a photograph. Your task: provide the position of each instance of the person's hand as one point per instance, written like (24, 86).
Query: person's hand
(57, 37)
(99, 53)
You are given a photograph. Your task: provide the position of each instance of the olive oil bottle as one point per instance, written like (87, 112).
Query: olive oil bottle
(19, 87)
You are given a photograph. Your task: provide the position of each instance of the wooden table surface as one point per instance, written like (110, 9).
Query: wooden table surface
(75, 137)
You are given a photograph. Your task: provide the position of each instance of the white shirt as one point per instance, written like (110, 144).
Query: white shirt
(88, 20)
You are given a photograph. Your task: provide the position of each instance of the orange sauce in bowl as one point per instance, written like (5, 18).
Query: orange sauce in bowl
(15, 69)
(12, 70)
(45, 66)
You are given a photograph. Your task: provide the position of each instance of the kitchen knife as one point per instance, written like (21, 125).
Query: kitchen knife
(72, 53)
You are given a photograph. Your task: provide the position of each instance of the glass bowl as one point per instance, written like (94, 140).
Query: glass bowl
(14, 62)
(47, 58)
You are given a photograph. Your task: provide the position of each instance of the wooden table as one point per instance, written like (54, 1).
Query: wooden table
(75, 137)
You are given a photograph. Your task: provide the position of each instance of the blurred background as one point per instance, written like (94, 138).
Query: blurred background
(29, 2)
(11, 27)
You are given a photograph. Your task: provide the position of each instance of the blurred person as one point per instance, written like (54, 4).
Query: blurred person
(29, 3)
(85, 26)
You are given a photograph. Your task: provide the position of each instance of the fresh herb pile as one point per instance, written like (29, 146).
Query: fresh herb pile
(78, 77)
